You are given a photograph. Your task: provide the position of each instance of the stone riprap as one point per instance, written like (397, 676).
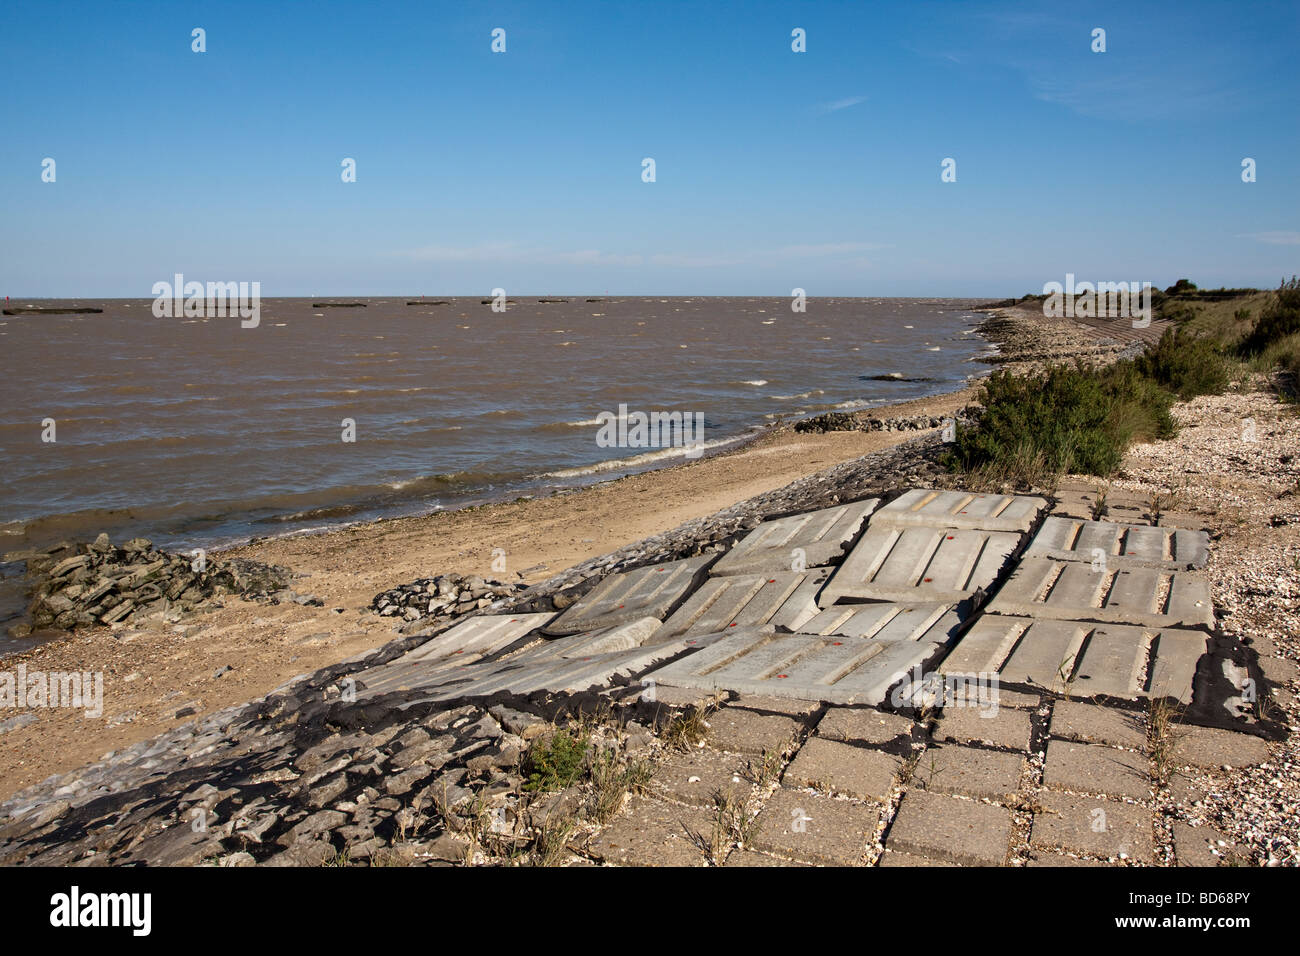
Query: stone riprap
(1080, 658)
(849, 670)
(796, 542)
(1075, 591)
(651, 591)
(888, 621)
(782, 599)
(928, 508)
(1120, 545)
(921, 564)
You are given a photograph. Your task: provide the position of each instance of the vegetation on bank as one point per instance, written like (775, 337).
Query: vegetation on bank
(1081, 418)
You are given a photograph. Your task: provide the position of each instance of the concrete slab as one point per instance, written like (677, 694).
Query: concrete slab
(920, 565)
(863, 726)
(1075, 720)
(467, 642)
(1003, 727)
(565, 665)
(699, 776)
(651, 591)
(1093, 768)
(888, 621)
(1072, 590)
(950, 828)
(651, 833)
(747, 732)
(969, 772)
(797, 542)
(1081, 500)
(960, 509)
(1120, 545)
(782, 599)
(803, 666)
(1210, 747)
(1092, 826)
(815, 829)
(843, 769)
(1082, 658)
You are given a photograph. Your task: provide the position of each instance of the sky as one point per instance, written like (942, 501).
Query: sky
(523, 170)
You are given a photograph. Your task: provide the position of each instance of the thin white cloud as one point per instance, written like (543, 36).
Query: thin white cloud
(843, 104)
(1274, 238)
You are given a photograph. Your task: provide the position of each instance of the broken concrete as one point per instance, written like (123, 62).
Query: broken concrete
(782, 599)
(797, 542)
(651, 591)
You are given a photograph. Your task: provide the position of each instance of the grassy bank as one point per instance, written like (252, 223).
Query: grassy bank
(1081, 418)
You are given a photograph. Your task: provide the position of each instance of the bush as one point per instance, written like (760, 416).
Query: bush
(1186, 364)
(1066, 419)
(1280, 318)
(554, 761)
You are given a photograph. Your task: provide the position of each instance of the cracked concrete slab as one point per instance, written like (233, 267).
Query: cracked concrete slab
(803, 666)
(651, 591)
(888, 621)
(797, 542)
(1120, 545)
(1084, 658)
(927, 507)
(783, 599)
(563, 665)
(467, 642)
(1070, 590)
(920, 564)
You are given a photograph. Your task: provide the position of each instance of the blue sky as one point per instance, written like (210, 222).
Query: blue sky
(774, 169)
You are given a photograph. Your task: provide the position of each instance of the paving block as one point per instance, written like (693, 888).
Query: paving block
(1092, 826)
(969, 772)
(863, 726)
(1120, 545)
(1075, 720)
(920, 564)
(747, 732)
(783, 599)
(899, 858)
(741, 857)
(1047, 858)
(651, 591)
(1072, 590)
(807, 667)
(815, 829)
(960, 509)
(1003, 727)
(843, 769)
(808, 540)
(1212, 747)
(950, 828)
(652, 833)
(698, 776)
(1082, 658)
(1201, 846)
(1092, 768)
(804, 710)
(888, 621)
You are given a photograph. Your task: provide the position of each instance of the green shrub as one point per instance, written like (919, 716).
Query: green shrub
(1186, 364)
(1279, 319)
(1066, 419)
(554, 761)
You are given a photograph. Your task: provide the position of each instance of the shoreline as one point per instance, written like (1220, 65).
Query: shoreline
(158, 675)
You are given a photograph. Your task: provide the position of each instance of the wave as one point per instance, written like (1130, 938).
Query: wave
(645, 458)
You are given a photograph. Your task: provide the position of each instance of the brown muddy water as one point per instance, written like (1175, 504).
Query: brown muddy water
(199, 432)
